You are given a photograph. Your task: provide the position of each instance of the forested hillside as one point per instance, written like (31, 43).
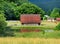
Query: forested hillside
(12, 9)
(47, 4)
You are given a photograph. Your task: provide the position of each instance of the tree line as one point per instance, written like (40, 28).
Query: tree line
(12, 9)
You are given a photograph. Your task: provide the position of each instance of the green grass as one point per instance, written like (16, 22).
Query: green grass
(45, 25)
(55, 34)
(32, 37)
(31, 28)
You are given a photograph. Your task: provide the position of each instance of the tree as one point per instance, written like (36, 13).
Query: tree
(28, 8)
(13, 8)
(3, 24)
(48, 12)
(55, 13)
(59, 11)
(18, 2)
(4, 29)
(9, 10)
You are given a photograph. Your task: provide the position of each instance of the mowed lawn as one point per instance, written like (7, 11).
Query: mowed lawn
(13, 40)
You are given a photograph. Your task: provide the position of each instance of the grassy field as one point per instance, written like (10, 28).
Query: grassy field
(13, 40)
(55, 34)
(45, 25)
(32, 37)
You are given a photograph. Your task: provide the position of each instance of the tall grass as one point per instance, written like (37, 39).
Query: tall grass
(28, 41)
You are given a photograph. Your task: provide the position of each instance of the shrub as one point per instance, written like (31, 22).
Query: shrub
(57, 27)
(4, 30)
(3, 24)
(44, 18)
(55, 13)
(9, 31)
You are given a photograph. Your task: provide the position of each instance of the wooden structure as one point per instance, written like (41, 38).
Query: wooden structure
(30, 19)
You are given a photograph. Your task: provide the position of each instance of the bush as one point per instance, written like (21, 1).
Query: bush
(44, 18)
(4, 30)
(9, 31)
(3, 24)
(55, 13)
(57, 27)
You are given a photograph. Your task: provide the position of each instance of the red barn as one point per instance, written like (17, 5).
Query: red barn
(30, 19)
(58, 19)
